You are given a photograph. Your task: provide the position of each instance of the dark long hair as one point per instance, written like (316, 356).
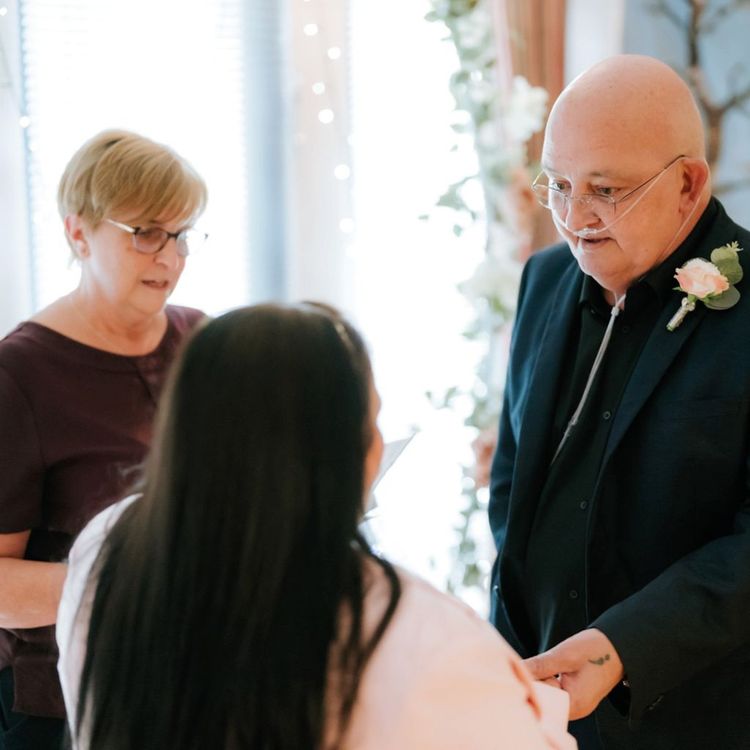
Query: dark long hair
(219, 594)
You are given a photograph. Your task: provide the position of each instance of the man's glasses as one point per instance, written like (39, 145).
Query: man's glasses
(150, 240)
(559, 199)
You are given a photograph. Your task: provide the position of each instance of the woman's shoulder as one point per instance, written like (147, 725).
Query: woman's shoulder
(435, 628)
(448, 613)
(183, 318)
(442, 677)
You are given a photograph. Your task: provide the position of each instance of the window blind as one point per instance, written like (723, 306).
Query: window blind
(171, 70)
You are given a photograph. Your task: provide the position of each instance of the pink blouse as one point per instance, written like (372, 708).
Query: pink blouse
(440, 679)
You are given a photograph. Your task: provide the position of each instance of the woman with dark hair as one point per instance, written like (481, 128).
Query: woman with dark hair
(234, 603)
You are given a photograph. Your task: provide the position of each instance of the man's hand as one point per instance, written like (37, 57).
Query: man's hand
(587, 667)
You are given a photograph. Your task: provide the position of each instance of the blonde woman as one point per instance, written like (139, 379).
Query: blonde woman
(78, 388)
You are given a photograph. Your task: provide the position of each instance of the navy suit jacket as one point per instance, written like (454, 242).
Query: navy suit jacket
(677, 461)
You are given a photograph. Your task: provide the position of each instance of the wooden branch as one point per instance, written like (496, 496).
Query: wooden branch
(736, 100)
(711, 21)
(659, 6)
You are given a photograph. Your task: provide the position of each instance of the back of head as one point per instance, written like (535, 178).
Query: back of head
(633, 102)
(117, 170)
(222, 589)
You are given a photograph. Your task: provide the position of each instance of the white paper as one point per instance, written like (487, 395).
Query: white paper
(391, 451)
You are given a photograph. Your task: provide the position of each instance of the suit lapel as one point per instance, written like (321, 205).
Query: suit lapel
(533, 442)
(663, 346)
(658, 354)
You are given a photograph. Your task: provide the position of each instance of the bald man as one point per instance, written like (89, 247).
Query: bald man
(619, 491)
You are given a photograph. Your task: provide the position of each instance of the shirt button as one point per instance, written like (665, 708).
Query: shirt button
(573, 594)
(583, 504)
(607, 415)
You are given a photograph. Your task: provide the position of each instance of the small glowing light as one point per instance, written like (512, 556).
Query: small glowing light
(310, 29)
(346, 225)
(319, 88)
(326, 116)
(334, 53)
(3, 11)
(342, 172)
(24, 121)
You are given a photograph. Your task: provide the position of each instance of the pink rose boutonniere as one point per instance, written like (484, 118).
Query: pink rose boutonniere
(710, 282)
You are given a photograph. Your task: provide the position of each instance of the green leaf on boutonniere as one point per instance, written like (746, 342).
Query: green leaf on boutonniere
(731, 270)
(723, 301)
(726, 260)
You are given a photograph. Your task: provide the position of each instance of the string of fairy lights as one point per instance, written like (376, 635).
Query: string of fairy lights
(325, 84)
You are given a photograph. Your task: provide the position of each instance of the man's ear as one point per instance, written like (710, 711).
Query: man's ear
(75, 233)
(696, 176)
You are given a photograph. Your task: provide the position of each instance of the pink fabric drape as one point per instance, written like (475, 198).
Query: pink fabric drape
(530, 38)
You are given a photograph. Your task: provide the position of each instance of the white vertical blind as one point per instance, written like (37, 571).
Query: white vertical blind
(172, 71)
(15, 277)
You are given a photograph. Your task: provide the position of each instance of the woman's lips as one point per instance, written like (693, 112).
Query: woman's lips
(159, 285)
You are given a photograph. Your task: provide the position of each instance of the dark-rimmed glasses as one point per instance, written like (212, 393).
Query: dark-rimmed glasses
(150, 240)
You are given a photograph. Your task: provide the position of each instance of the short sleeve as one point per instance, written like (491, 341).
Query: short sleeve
(21, 464)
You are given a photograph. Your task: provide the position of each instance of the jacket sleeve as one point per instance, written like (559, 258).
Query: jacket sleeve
(691, 616)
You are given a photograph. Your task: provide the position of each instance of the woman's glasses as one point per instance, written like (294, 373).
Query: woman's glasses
(150, 240)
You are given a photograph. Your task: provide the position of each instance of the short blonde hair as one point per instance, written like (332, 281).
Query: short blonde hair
(117, 171)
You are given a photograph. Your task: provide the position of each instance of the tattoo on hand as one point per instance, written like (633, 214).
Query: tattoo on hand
(600, 661)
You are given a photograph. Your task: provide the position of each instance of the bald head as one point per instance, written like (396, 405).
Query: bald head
(636, 101)
(626, 131)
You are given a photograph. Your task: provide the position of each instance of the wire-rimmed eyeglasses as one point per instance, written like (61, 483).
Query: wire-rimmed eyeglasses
(559, 199)
(150, 240)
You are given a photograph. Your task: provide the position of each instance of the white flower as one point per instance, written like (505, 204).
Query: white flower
(473, 29)
(488, 137)
(441, 7)
(482, 92)
(525, 111)
(494, 278)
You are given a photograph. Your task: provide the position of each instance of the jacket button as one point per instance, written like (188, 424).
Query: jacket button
(607, 415)
(583, 504)
(573, 594)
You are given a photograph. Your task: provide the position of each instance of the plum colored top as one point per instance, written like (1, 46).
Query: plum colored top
(75, 423)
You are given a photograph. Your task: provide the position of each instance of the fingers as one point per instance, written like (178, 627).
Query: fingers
(551, 663)
(553, 682)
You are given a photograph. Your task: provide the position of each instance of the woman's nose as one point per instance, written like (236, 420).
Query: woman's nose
(168, 255)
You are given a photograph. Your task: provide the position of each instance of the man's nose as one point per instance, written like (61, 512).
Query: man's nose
(578, 213)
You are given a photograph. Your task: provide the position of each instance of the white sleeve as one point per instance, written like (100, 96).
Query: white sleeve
(77, 599)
